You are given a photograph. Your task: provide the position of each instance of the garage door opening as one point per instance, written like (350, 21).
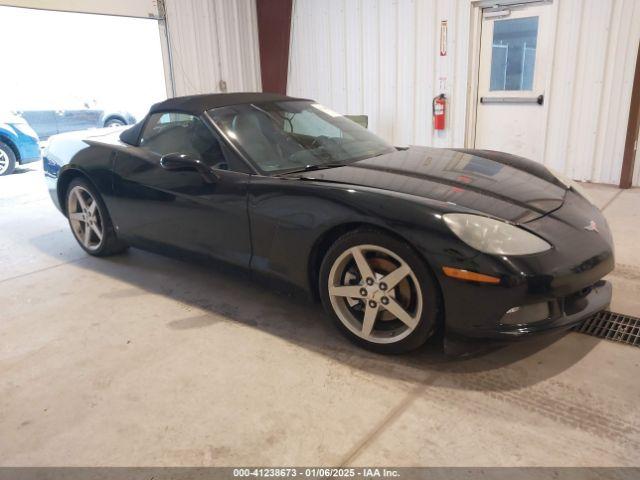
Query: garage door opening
(74, 71)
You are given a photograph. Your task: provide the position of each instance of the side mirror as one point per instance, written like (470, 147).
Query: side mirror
(182, 162)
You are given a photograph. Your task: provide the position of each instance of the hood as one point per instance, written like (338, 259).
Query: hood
(496, 184)
(11, 118)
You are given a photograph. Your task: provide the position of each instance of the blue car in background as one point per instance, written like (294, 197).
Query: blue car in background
(19, 143)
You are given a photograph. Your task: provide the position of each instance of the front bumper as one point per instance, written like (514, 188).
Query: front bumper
(568, 312)
(568, 278)
(464, 345)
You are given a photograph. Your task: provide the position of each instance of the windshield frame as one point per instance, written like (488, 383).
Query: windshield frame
(284, 171)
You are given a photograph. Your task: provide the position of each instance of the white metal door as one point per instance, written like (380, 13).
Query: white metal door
(513, 69)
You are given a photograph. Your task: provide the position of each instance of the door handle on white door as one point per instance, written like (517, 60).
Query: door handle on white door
(539, 99)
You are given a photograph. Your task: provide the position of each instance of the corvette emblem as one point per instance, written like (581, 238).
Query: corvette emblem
(592, 227)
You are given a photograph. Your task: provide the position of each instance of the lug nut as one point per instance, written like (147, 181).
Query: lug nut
(372, 304)
(383, 286)
(369, 281)
(363, 292)
(384, 300)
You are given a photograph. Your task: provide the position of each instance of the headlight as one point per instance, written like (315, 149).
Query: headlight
(572, 184)
(493, 236)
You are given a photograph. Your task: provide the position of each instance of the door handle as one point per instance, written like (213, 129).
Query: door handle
(539, 99)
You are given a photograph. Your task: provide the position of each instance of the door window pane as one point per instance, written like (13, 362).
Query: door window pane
(513, 53)
(166, 133)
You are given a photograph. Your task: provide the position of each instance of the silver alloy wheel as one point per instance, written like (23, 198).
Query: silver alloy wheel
(375, 294)
(4, 161)
(85, 219)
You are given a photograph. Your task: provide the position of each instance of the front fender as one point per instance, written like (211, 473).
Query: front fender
(8, 132)
(289, 216)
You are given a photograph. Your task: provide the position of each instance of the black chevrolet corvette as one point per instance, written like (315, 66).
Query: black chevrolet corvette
(397, 243)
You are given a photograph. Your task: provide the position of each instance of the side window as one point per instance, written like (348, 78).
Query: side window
(162, 130)
(174, 132)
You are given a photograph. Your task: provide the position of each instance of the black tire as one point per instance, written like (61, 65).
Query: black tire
(428, 286)
(114, 122)
(9, 157)
(109, 244)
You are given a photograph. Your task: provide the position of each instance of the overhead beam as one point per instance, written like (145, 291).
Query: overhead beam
(274, 30)
(121, 8)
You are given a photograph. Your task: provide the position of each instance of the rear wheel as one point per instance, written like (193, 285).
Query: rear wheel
(7, 159)
(379, 291)
(90, 221)
(114, 122)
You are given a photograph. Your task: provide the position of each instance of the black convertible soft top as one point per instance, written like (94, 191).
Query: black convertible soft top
(198, 104)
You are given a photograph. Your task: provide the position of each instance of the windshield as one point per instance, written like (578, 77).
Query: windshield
(281, 137)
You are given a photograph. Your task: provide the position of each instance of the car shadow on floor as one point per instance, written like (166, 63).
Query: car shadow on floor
(20, 169)
(225, 295)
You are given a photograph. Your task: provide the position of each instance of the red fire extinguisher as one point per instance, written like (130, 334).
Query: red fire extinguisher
(439, 118)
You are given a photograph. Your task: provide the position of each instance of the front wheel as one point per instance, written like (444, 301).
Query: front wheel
(379, 291)
(7, 159)
(89, 220)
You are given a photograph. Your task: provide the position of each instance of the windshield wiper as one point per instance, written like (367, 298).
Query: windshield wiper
(321, 166)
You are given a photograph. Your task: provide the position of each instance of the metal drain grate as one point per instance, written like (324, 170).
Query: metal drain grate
(612, 326)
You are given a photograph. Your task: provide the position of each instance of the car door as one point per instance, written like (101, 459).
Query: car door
(44, 122)
(78, 117)
(183, 210)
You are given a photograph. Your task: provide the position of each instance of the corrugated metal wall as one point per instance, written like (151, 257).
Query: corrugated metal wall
(594, 61)
(212, 41)
(380, 58)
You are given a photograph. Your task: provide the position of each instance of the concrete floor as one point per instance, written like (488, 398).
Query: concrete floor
(139, 360)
